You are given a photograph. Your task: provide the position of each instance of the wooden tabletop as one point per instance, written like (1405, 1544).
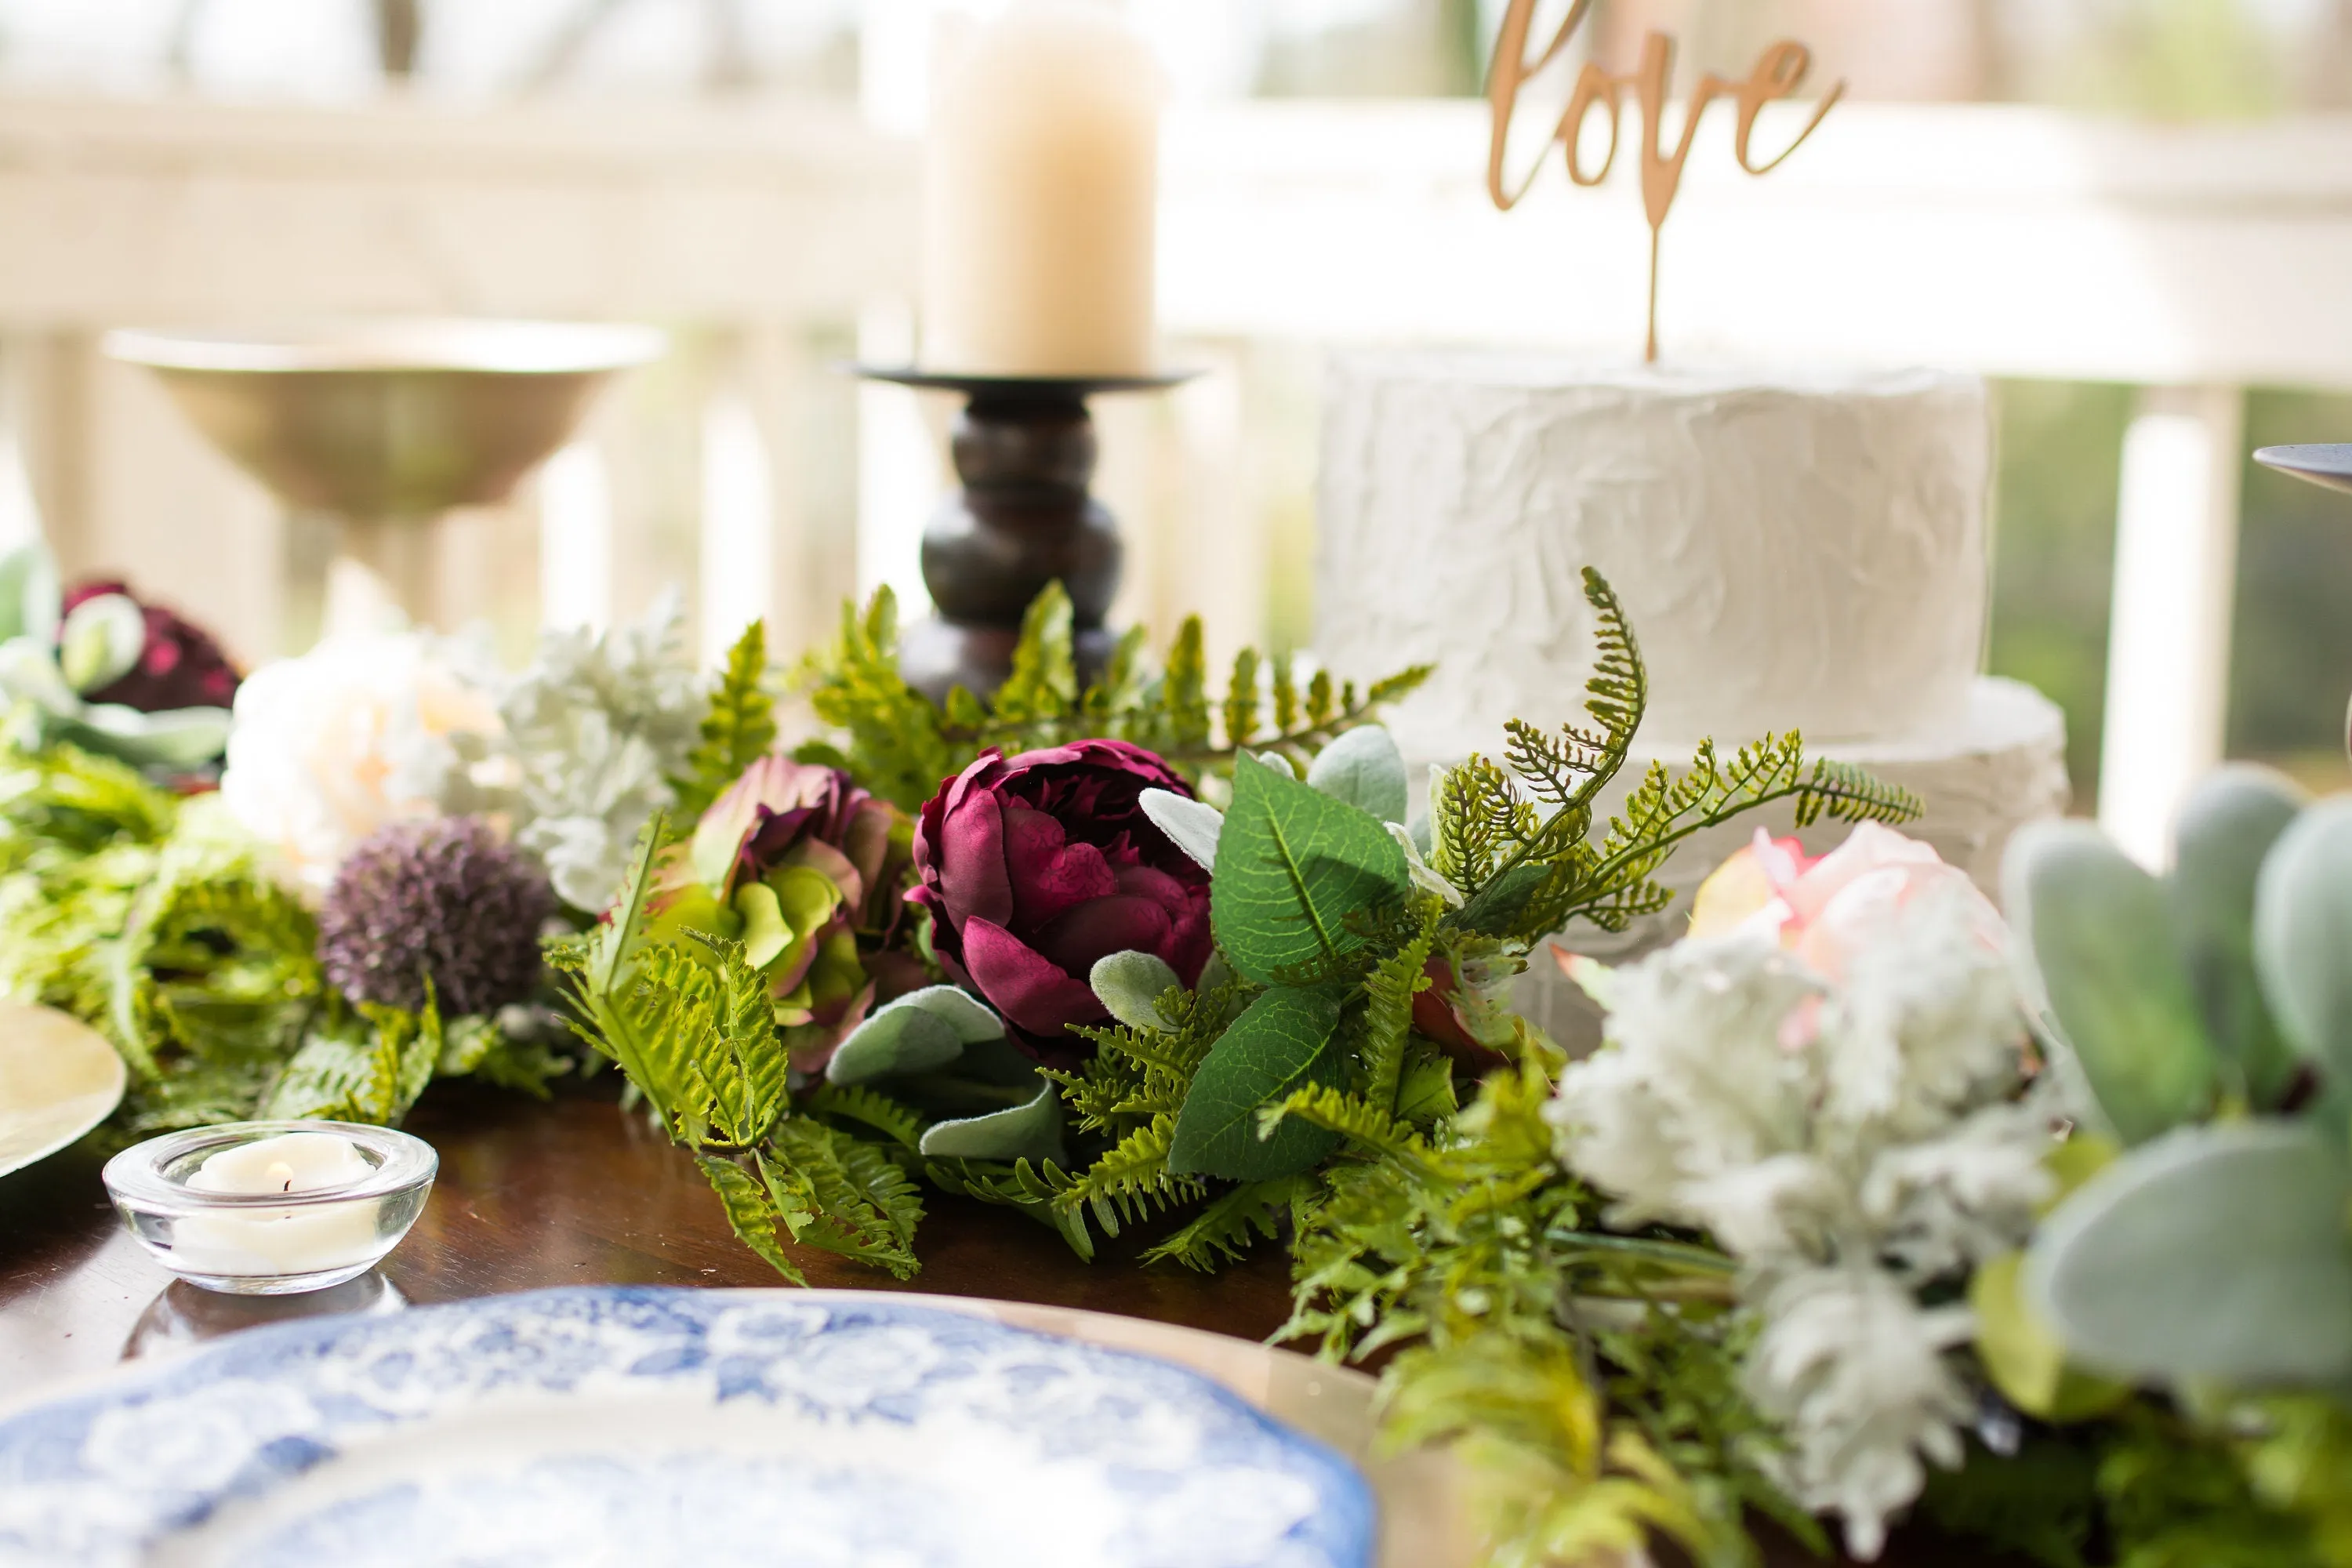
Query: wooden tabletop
(575, 1192)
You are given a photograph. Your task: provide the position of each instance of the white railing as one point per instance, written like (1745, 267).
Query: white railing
(776, 241)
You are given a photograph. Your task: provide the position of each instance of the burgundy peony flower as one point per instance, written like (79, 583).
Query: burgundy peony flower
(1036, 866)
(180, 667)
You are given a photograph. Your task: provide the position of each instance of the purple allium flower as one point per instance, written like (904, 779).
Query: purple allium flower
(445, 898)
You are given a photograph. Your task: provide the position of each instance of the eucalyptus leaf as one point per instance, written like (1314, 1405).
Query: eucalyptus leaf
(893, 1043)
(1284, 1042)
(1131, 984)
(1193, 825)
(1294, 867)
(1364, 768)
(2096, 932)
(2213, 1252)
(2303, 935)
(2228, 828)
(1029, 1131)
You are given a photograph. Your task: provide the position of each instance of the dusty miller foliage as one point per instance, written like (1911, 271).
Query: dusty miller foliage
(150, 918)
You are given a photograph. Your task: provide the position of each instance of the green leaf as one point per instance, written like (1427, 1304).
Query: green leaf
(1364, 768)
(30, 599)
(1131, 984)
(897, 1041)
(738, 729)
(1388, 1015)
(750, 1213)
(1283, 1043)
(2227, 829)
(101, 641)
(2303, 935)
(1500, 907)
(1030, 1131)
(1293, 867)
(2215, 1252)
(2099, 933)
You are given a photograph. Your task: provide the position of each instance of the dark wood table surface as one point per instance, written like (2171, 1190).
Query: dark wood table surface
(573, 1192)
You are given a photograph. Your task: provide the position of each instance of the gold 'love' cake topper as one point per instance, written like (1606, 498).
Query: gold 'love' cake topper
(1779, 72)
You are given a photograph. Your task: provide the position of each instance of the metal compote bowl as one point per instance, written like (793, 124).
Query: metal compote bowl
(386, 426)
(2328, 465)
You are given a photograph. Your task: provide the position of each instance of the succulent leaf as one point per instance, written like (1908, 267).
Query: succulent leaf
(2216, 1252)
(2229, 827)
(1028, 1131)
(2096, 932)
(2303, 936)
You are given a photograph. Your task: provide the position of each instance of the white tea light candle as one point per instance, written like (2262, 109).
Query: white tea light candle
(272, 1207)
(280, 1241)
(1041, 185)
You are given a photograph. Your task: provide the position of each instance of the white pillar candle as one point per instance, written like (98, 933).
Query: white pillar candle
(1041, 182)
(278, 1241)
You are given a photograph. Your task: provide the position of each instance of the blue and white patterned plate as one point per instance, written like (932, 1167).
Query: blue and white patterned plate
(742, 1427)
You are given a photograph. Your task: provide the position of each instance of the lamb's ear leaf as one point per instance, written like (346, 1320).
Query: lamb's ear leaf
(2227, 829)
(1193, 825)
(1032, 1131)
(894, 1042)
(2303, 936)
(1285, 1041)
(2216, 1252)
(1296, 871)
(1364, 768)
(2095, 938)
(1131, 984)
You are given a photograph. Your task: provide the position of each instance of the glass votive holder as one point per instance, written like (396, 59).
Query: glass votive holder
(272, 1243)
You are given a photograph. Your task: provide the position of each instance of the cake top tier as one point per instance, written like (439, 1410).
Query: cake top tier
(1795, 550)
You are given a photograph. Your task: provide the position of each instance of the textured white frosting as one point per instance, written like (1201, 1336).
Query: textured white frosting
(1792, 551)
(2001, 765)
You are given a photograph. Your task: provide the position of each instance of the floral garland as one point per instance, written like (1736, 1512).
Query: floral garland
(1868, 1207)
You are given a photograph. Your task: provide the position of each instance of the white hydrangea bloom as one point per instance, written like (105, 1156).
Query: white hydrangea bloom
(363, 730)
(1848, 1143)
(595, 728)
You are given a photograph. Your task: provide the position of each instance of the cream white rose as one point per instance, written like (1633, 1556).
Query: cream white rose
(361, 732)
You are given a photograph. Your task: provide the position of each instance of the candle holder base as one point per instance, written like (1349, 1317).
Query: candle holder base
(1024, 448)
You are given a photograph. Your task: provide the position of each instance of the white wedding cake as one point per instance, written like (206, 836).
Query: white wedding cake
(1793, 552)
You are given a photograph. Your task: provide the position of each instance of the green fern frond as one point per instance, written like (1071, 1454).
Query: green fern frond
(1844, 793)
(869, 1108)
(1388, 992)
(737, 730)
(1044, 685)
(1033, 1190)
(1225, 1231)
(1618, 693)
(751, 1213)
(1363, 1123)
(1241, 701)
(842, 1196)
(1185, 689)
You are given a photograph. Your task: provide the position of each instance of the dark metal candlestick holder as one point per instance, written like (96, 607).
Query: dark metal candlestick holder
(1024, 448)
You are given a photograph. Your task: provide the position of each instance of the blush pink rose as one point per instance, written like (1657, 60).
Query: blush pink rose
(1826, 910)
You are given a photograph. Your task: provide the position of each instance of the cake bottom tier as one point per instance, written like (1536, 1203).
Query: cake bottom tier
(2002, 765)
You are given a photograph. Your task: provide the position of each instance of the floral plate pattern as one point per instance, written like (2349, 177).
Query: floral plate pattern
(639, 1426)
